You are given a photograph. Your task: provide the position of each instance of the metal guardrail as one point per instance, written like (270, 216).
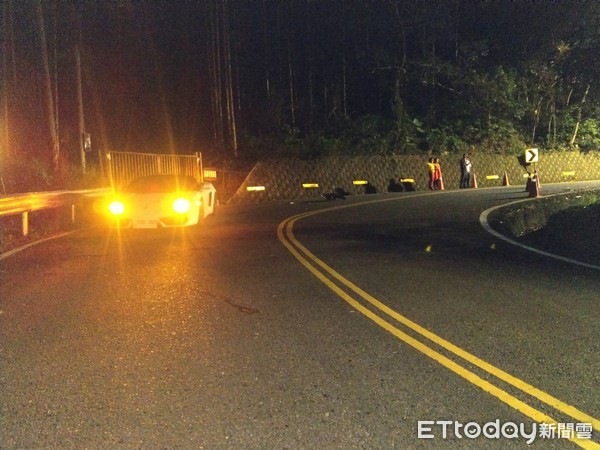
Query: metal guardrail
(23, 204)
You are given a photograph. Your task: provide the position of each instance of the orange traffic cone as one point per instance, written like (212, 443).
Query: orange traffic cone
(505, 181)
(441, 184)
(474, 182)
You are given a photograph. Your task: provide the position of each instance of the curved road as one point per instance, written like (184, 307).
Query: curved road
(301, 325)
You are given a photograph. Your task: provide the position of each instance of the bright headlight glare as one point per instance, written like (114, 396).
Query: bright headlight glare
(181, 205)
(116, 207)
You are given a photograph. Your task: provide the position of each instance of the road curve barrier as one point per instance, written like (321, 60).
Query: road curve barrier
(26, 203)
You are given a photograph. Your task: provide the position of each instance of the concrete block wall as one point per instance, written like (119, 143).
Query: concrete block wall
(283, 179)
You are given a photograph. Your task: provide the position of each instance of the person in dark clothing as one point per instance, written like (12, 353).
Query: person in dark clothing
(465, 171)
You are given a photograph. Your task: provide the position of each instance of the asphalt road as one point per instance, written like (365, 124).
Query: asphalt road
(321, 325)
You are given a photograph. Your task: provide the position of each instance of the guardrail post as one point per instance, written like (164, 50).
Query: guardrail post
(25, 221)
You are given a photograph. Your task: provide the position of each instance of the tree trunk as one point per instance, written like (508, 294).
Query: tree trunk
(266, 54)
(398, 106)
(536, 118)
(216, 75)
(291, 81)
(48, 87)
(80, 110)
(552, 124)
(579, 114)
(344, 85)
(231, 123)
(4, 129)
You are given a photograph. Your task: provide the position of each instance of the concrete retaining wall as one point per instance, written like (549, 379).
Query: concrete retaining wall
(283, 179)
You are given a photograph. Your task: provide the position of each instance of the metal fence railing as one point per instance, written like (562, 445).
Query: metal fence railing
(125, 166)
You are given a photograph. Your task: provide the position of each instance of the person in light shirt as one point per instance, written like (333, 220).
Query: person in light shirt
(431, 173)
(465, 171)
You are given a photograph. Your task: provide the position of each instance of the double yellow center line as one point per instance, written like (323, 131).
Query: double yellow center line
(381, 315)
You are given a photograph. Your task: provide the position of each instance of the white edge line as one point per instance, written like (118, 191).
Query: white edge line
(31, 244)
(483, 220)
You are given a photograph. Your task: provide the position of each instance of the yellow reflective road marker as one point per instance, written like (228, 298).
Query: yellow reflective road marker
(312, 263)
(210, 174)
(255, 188)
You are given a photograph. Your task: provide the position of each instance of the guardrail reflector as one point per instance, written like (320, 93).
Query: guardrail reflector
(492, 177)
(360, 182)
(310, 185)
(255, 188)
(210, 174)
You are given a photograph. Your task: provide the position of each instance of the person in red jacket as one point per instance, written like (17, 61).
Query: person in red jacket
(431, 173)
(438, 184)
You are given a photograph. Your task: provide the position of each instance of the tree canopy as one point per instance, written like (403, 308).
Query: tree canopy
(414, 76)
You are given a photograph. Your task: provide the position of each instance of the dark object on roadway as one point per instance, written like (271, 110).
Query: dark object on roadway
(370, 189)
(395, 187)
(333, 196)
(338, 192)
(409, 186)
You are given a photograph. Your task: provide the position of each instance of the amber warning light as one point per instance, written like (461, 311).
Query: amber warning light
(116, 207)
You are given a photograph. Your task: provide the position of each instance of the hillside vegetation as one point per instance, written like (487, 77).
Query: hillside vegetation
(247, 81)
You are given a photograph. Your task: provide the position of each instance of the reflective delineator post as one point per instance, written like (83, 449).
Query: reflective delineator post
(25, 223)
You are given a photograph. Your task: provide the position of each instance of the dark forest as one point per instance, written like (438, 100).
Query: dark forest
(247, 80)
